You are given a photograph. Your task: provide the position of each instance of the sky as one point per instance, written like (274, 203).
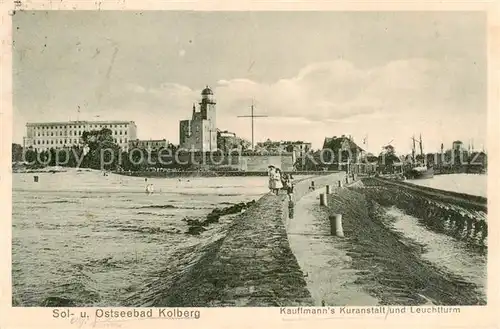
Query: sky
(381, 77)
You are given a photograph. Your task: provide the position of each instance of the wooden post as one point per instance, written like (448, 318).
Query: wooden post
(484, 230)
(347, 180)
(328, 189)
(469, 226)
(336, 225)
(340, 183)
(322, 200)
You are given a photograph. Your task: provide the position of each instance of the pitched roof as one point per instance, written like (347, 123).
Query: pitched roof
(336, 143)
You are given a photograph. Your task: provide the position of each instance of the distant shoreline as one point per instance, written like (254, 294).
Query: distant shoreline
(174, 174)
(171, 174)
(195, 173)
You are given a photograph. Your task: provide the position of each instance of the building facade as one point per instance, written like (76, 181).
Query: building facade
(228, 141)
(457, 145)
(200, 133)
(342, 149)
(148, 144)
(46, 135)
(298, 147)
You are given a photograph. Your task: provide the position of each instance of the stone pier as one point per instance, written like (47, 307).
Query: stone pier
(253, 264)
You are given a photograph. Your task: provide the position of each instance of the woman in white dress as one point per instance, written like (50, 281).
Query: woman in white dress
(276, 181)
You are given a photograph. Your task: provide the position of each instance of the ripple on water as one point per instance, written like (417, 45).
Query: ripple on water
(77, 238)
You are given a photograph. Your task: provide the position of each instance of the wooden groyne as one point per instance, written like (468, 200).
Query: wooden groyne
(459, 215)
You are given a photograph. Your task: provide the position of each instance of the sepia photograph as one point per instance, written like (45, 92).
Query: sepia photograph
(291, 159)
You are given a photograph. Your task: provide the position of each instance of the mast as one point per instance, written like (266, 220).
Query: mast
(413, 150)
(421, 147)
(424, 158)
(252, 116)
(252, 125)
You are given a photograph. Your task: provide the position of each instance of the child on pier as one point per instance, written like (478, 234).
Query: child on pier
(270, 174)
(288, 185)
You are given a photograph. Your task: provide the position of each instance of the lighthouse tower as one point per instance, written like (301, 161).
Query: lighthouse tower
(208, 113)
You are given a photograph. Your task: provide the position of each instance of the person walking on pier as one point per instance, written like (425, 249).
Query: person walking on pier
(288, 185)
(276, 181)
(270, 174)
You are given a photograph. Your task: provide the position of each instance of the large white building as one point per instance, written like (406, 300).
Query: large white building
(47, 135)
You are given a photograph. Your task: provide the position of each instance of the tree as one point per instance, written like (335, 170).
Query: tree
(388, 149)
(103, 151)
(31, 156)
(310, 161)
(387, 158)
(17, 153)
(370, 158)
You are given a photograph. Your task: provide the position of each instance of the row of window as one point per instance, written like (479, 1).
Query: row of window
(151, 143)
(45, 148)
(75, 133)
(60, 141)
(68, 141)
(81, 126)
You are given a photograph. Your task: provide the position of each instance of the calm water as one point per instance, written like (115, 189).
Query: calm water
(94, 238)
(472, 184)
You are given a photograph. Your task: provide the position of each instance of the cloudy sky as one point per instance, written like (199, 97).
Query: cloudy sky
(314, 74)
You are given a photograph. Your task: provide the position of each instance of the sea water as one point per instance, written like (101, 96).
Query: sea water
(95, 239)
(473, 184)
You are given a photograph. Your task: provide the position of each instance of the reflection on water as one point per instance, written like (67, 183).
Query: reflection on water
(472, 184)
(443, 251)
(94, 238)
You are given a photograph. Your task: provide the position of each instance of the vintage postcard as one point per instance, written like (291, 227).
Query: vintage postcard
(249, 164)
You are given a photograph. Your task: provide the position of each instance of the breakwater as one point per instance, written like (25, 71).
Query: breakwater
(387, 264)
(252, 265)
(459, 215)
